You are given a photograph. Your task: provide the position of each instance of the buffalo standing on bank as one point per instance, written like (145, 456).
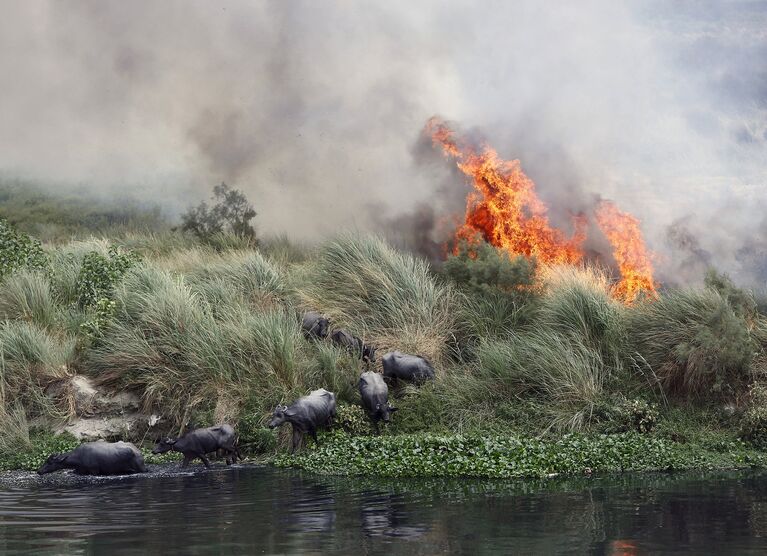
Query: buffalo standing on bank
(315, 325)
(354, 344)
(306, 415)
(375, 397)
(198, 443)
(98, 458)
(410, 368)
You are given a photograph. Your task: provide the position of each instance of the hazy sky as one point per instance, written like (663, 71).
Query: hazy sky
(314, 108)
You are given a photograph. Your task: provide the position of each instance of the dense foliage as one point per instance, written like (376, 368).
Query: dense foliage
(505, 457)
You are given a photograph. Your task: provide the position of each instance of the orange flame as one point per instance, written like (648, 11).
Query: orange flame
(506, 212)
(505, 209)
(634, 261)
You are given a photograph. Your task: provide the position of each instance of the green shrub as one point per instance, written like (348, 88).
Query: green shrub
(618, 414)
(99, 320)
(352, 419)
(99, 275)
(482, 269)
(253, 437)
(18, 250)
(695, 342)
(753, 425)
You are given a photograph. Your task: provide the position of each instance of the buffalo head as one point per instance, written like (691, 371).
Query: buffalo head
(385, 411)
(53, 463)
(278, 417)
(163, 445)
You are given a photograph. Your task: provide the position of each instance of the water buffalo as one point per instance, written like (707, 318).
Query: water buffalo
(411, 368)
(98, 458)
(315, 325)
(364, 351)
(306, 414)
(197, 443)
(375, 397)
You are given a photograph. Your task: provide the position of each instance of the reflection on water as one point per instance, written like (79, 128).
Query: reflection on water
(249, 509)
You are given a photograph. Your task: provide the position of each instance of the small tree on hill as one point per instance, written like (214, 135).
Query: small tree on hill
(231, 213)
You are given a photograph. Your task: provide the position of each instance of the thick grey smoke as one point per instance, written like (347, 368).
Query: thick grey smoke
(314, 108)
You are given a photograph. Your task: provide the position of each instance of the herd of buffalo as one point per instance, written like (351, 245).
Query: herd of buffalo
(306, 414)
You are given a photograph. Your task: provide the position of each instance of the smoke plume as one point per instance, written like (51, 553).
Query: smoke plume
(315, 110)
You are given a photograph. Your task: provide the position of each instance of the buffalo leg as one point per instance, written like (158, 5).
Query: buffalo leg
(205, 460)
(296, 439)
(313, 432)
(186, 462)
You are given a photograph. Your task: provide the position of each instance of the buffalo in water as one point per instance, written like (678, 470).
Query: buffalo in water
(355, 345)
(306, 414)
(198, 443)
(375, 397)
(315, 325)
(98, 458)
(410, 368)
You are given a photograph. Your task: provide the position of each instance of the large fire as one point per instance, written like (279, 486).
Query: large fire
(629, 251)
(506, 211)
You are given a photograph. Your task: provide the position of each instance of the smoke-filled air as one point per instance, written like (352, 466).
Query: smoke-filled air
(654, 111)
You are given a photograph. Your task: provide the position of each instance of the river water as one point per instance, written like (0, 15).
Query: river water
(261, 510)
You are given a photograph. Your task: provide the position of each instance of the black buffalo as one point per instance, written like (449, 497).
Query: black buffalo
(362, 350)
(375, 397)
(410, 368)
(197, 443)
(98, 458)
(306, 414)
(315, 325)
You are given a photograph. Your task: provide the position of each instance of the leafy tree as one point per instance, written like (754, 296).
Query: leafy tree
(231, 212)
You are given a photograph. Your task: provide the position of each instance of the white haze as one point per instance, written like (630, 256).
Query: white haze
(314, 108)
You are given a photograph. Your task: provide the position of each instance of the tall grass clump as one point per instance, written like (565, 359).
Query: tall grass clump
(576, 302)
(567, 375)
(387, 296)
(695, 342)
(169, 343)
(244, 275)
(14, 428)
(26, 295)
(30, 359)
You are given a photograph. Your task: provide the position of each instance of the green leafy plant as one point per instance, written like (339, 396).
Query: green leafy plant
(99, 274)
(620, 414)
(753, 425)
(18, 250)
